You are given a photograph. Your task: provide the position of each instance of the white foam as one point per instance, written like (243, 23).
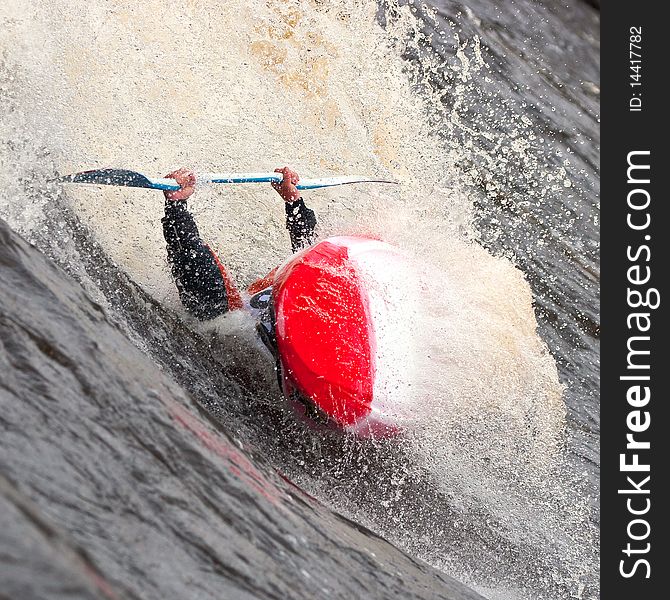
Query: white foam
(390, 290)
(255, 84)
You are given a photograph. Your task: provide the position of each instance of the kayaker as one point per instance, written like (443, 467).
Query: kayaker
(330, 347)
(205, 287)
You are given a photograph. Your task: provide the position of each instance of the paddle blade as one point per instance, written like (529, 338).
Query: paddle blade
(312, 184)
(120, 177)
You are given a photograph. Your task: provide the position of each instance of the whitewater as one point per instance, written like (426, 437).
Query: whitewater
(495, 483)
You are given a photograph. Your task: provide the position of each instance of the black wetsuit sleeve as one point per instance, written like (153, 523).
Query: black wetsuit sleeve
(300, 222)
(201, 286)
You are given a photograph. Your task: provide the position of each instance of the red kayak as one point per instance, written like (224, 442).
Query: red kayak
(342, 333)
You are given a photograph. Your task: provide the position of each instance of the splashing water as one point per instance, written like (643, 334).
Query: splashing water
(322, 86)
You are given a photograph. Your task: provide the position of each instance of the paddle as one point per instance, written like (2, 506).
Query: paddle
(126, 178)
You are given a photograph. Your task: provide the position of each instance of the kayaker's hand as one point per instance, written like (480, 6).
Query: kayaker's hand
(186, 179)
(286, 188)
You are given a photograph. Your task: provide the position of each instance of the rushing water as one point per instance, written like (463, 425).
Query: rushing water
(149, 456)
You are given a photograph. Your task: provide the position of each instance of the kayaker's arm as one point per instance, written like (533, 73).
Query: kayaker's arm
(300, 220)
(203, 284)
(201, 287)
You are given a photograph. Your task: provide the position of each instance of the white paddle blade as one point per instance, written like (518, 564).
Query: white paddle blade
(312, 184)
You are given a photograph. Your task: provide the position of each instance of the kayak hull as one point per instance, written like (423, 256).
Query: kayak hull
(339, 328)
